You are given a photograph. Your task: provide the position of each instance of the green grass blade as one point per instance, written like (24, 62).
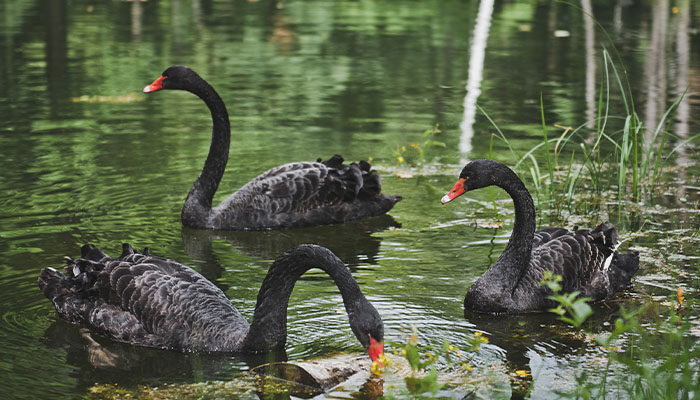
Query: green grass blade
(500, 134)
(546, 147)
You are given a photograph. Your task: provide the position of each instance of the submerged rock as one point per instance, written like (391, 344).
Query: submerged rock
(309, 378)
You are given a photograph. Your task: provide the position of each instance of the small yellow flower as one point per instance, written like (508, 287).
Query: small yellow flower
(376, 369)
(415, 145)
(479, 337)
(400, 159)
(451, 348)
(386, 361)
(429, 355)
(469, 367)
(676, 10)
(522, 372)
(403, 352)
(403, 148)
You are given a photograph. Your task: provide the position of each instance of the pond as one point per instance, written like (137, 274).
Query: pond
(410, 86)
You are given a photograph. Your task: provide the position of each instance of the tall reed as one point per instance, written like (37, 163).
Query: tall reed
(608, 156)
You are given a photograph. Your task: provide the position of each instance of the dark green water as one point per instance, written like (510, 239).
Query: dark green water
(87, 158)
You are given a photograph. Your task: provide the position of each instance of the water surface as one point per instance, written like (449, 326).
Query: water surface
(88, 158)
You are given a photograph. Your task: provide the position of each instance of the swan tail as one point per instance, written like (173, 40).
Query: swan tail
(93, 253)
(76, 305)
(82, 295)
(335, 162)
(77, 291)
(371, 181)
(359, 181)
(348, 178)
(65, 295)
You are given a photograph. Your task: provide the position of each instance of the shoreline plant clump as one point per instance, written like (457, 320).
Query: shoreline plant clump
(577, 163)
(652, 352)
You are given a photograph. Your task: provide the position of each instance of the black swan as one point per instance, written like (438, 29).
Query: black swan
(287, 196)
(587, 260)
(155, 302)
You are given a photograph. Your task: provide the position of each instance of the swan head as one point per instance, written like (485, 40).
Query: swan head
(175, 77)
(368, 328)
(478, 174)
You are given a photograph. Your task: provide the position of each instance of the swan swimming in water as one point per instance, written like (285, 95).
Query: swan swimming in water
(290, 195)
(587, 260)
(156, 302)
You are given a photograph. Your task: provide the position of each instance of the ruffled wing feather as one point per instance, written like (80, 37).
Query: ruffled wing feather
(303, 194)
(144, 300)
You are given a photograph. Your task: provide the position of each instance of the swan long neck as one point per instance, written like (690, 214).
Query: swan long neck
(519, 249)
(199, 200)
(268, 329)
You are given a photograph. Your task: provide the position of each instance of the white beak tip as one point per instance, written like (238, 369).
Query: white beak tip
(445, 199)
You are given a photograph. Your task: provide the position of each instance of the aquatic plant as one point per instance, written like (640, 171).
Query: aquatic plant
(654, 348)
(656, 354)
(414, 153)
(425, 379)
(571, 308)
(598, 169)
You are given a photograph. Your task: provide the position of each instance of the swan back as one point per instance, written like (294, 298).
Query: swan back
(145, 300)
(304, 194)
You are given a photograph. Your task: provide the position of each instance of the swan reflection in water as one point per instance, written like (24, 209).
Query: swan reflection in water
(110, 362)
(104, 366)
(353, 242)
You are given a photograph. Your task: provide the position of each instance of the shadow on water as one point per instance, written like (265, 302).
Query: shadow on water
(100, 363)
(353, 242)
(101, 360)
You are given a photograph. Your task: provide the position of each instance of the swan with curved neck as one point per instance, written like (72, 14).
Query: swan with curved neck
(155, 302)
(587, 260)
(290, 195)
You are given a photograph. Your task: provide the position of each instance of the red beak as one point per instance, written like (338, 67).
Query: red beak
(156, 85)
(457, 190)
(375, 350)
